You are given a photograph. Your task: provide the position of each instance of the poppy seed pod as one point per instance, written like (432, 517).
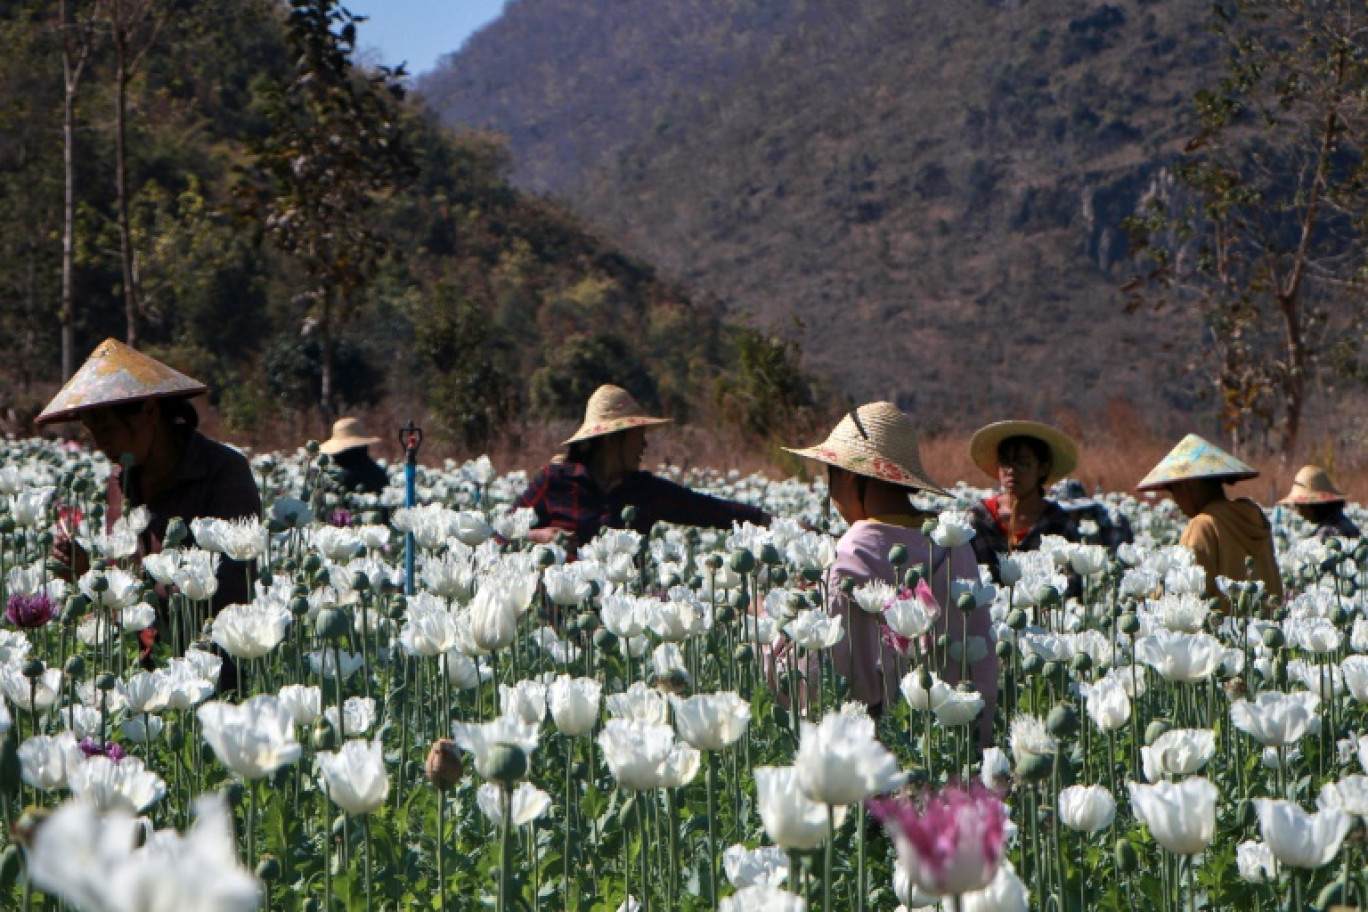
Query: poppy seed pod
(1016, 619)
(604, 639)
(770, 556)
(1035, 767)
(966, 602)
(105, 681)
(1130, 624)
(331, 624)
(847, 585)
(268, 869)
(176, 533)
(897, 555)
(1127, 861)
(1062, 720)
(74, 668)
(1273, 638)
(1032, 665)
(742, 561)
(740, 600)
(914, 575)
(629, 515)
(506, 763)
(1003, 649)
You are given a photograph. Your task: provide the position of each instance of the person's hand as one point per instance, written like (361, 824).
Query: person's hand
(68, 554)
(553, 535)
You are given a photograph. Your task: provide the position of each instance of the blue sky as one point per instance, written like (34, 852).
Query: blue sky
(418, 31)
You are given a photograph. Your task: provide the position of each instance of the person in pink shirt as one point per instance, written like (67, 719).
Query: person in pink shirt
(873, 464)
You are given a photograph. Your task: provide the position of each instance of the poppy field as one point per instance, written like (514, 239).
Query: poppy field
(658, 723)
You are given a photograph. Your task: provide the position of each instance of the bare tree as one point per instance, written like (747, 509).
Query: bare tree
(77, 34)
(1264, 228)
(134, 26)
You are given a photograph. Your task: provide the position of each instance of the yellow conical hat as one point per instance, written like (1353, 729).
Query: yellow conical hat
(877, 440)
(612, 409)
(1313, 486)
(115, 374)
(1194, 457)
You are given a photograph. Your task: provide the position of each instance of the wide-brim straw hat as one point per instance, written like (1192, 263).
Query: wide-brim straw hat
(116, 374)
(347, 434)
(983, 446)
(612, 409)
(876, 440)
(1312, 485)
(1192, 458)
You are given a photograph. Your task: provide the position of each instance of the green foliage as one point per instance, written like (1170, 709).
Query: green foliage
(768, 391)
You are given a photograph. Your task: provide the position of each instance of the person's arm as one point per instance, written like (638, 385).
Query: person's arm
(534, 497)
(660, 500)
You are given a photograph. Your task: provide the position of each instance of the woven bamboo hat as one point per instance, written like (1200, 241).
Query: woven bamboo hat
(612, 409)
(347, 433)
(1194, 457)
(876, 440)
(115, 374)
(1313, 486)
(983, 446)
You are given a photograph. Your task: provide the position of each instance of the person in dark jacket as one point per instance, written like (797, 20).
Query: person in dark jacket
(1317, 500)
(1025, 457)
(599, 476)
(349, 447)
(138, 413)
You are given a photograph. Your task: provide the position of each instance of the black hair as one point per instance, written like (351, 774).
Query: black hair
(177, 412)
(1323, 512)
(1039, 448)
(581, 451)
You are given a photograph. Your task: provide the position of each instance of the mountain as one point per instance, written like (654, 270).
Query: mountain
(935, 190)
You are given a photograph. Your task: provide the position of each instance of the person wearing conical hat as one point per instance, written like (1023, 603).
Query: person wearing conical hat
(349, 450)
(1317, 500)
(1222, 533)
(137, 412)
(599, 477)
(1025, 458)
(873, 464)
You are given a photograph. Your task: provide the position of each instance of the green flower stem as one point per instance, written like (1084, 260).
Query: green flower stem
(826, 859)
(366, 836)
(506, 851)
(441, 851)
(861, 879)
(711, 757)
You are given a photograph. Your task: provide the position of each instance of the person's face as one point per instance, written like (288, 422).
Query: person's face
(1020, 473)
(1306, 512)
(631, 447)
(1187, 495)
(845, 493)
(115, 434)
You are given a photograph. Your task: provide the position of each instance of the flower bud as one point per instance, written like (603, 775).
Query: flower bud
(99, 584)
(105, 681)
(505, 764)
(176, 533)
(897, 555)
(966, 602)
(266, 578)
(770, 556)
(924, 679)
(604, 639)
(1129, 624)
(74, 668)
(443, 766)
(360, 582)
(1050, 669)
(33, 668)
(299, 606)
(1273, 638)
(914, 575)
(810, 574)
(725, 614)
(312, 563)
(1032, 665)
(847, 585)
(1127, 861)
(323, 737)
(75, 606)
(587, 622)
(268, 869)
(1016, 619)
(1047, 596)
(1003, 649)
(778, 576)
(1155, 730)
(629, 515)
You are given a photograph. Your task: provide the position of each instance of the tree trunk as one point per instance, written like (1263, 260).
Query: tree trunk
(130, 274)
(325, 391)
(1294, 386)
(68, 311)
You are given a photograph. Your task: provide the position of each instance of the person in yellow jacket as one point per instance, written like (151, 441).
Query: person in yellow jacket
(1222, 533)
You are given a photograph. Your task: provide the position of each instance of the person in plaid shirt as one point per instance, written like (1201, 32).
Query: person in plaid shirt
(599, 477)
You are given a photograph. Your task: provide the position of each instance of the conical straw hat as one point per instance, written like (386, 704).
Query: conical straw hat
(347, 433)
(612, 409)
(876, 440)
(113, 375)
(1194, 457)
(983, 446)
(1313, 486)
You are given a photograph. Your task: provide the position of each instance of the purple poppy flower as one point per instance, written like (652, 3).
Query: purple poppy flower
(30, 611)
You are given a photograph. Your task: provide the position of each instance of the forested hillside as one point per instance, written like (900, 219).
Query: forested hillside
(458, 292)
(935, 190)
